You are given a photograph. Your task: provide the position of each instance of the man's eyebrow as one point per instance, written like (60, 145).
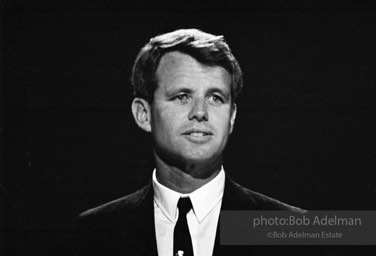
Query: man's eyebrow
(175, 90)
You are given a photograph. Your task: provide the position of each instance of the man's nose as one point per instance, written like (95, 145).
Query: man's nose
(199, 111)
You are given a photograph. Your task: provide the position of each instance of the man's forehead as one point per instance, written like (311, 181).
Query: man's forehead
(175, 62)
(173, 58)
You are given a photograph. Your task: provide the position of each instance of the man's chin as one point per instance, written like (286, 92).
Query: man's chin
(202, 162)
(197, 156)
(192, 160)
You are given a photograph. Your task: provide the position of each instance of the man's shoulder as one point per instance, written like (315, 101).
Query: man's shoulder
(241, 198)
(118, 227)
(123, 205)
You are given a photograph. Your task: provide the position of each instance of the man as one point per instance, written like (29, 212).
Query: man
(185, 85)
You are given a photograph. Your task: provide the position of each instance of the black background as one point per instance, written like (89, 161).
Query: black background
(304, 134)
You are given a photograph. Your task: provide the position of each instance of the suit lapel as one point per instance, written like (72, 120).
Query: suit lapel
(234, 198)
(145, 240)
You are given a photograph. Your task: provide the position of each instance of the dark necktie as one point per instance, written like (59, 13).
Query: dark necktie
(182, 237)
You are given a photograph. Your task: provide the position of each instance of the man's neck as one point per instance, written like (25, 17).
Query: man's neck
(187, 179)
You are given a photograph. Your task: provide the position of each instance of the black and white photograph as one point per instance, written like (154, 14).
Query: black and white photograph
(128, 128)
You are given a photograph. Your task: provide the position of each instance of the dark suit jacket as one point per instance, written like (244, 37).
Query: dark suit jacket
(126, 226)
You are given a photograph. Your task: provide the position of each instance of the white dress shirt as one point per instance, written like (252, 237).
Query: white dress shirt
(202, 220)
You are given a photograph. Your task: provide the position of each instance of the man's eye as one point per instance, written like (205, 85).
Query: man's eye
(216, 99)
(181, 97)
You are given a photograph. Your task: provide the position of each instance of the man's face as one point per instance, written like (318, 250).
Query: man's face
(192, 114)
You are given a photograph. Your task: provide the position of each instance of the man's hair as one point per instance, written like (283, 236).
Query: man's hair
(207, 49)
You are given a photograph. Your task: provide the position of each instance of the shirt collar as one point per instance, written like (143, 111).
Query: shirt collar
(203, 199)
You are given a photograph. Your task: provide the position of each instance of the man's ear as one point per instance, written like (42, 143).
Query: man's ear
(142, 112)
(232, 117)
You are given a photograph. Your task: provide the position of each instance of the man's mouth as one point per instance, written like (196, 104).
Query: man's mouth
(198, 133)
(198, 136)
